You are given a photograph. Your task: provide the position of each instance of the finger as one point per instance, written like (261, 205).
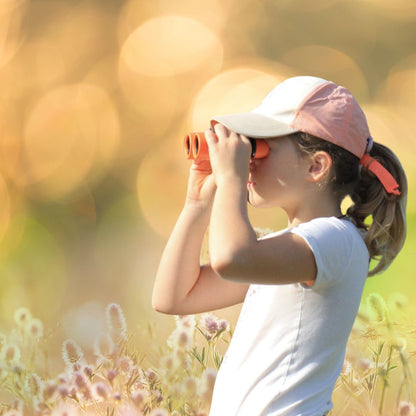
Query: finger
(221, 130)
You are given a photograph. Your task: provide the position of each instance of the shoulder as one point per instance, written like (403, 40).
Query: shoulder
(337, 245)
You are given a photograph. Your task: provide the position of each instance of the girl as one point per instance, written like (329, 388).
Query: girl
(301, 286)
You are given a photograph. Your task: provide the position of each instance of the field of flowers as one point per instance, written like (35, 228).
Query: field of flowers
(176, 375)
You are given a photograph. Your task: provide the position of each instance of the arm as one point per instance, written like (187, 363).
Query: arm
(182, 286)
(283, 259)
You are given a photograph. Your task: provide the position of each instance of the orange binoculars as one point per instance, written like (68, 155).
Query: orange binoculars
(196, 147)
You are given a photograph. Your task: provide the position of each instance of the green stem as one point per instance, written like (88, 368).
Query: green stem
(380, 410)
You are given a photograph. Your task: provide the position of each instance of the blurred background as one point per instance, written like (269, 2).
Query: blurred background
(95, 98)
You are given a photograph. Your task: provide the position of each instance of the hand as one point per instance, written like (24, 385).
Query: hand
(229, 154)
(201, 186)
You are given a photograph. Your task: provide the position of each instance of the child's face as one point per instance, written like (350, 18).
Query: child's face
(279, 180)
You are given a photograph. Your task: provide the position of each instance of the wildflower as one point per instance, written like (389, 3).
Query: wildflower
(34, 328)
(378, 306)
(111, 375)
(102, 390)
(190, 386)
(10, 353)
(185, 321)
(72, 353)
(63, 391)
(83, 385)
(34, 384)
(181, 338)
(17, 404)
(212, 326)
(88, 371)
(150, 375)
(116, 322)
(125, 364)
(207, 383)
(49, 389)
(364, 364)
(104, 346)
(406, 409)
(138, 397)
(22, 316)
(209, 323)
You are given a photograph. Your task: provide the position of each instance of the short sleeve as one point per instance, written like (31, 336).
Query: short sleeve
(334, 243)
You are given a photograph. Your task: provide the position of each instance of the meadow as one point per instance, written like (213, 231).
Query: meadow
(95, 99)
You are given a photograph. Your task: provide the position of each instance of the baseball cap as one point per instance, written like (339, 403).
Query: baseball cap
(316, 106)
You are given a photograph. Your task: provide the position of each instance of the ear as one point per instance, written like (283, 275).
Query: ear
(319, 167)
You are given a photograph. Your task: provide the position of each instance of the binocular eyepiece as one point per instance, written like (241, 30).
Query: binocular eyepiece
(196, 147)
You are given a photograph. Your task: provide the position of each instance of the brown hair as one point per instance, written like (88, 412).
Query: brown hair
(386, 229)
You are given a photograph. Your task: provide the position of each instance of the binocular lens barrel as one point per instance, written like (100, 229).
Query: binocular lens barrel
(196, 147)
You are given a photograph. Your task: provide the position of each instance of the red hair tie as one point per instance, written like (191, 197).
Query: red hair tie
(383, 175)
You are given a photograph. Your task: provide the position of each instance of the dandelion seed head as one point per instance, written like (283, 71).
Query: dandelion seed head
(34, 328)
(22, 316)
(116, 322)
(72, 353)
(406, 409)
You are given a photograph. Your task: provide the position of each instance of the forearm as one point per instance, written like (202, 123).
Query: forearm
(179, 266)
(232, 238)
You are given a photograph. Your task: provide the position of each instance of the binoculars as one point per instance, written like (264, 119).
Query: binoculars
(196, 147)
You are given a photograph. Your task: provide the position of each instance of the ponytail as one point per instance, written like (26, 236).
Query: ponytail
(386, 212)
(387, 232)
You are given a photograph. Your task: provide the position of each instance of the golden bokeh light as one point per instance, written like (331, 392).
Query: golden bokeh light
(399, 91)
(71, 135)
(5, 207)
(161, 184)
(398, 9)
(235, 90)
(153, 104)
(171, 45)
(329, 63)
(392, 129)
(12, 13)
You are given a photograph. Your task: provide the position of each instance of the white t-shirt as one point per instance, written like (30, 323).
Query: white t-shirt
(288, 347)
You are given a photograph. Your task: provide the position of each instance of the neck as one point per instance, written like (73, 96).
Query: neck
(318, 204)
